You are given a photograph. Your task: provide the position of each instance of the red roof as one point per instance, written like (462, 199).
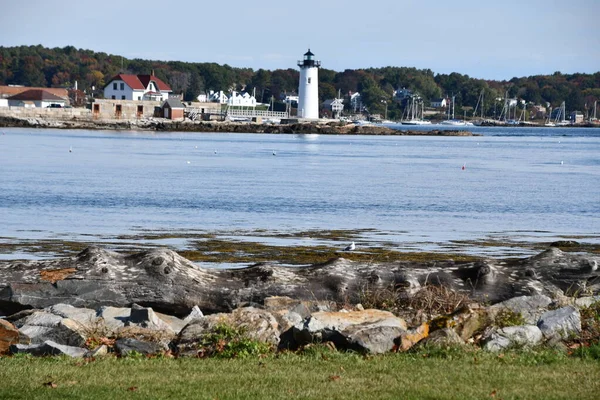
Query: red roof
(140, 82)
(36, 94)
(145, 79)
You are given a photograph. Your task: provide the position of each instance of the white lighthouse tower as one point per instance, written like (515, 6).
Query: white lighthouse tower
(308, 89)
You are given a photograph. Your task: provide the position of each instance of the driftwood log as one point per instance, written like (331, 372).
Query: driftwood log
(167, 282)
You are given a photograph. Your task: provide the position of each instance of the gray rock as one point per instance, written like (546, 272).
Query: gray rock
(40, 318)
(514, 336)
(584, 302)
(49, 348)
(82, 315)
(146, 318)
(195, 313)
(443, 337)
(124, 347)
(66, 332)
(114, 317)
(530, 307)
(561, 323)
(374, 339)
(259, 325)
(344, 328)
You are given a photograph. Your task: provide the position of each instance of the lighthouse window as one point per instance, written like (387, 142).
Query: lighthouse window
(308, 81)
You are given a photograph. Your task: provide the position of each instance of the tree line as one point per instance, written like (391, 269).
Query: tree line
(62, 67)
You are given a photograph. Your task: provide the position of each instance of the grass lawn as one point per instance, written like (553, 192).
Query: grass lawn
(318, 375)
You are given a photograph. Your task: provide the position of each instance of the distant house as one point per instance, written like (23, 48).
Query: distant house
(334, 107)
(241, 99)
(137, 87)
(576, 117)
(217, 97)
(38, 98)
(356, 102)
(402, 94)
(11, 90)
(439, 103)
(173, 109)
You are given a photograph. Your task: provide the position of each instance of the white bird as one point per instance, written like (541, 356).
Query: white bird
(350, 247)
(189, 162)
(215, 152)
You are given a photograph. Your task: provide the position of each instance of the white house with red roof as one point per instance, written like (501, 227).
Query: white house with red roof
(137, 87)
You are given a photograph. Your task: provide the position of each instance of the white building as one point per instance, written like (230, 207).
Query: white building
(355, 102)
(217, 97)
(137, 87)
(334, 106)
(308, 88)
(36, 98)
(439, 103)
(241, 99)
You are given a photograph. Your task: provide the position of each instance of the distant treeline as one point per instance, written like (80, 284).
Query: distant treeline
(61, 67)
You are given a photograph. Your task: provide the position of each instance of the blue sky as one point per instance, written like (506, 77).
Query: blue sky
(500, 41)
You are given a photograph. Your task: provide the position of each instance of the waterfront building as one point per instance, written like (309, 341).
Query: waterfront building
(38, 98)
(137, 87)
(308, 88)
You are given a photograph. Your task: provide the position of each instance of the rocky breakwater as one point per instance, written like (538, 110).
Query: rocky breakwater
(161, 124)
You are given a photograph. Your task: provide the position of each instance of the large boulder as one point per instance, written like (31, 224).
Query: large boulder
(530, 307)
(42, 326)
(369, 330)
(562, 323)
(49, 348)
(514, 336)
(257, 324)
(146, 318)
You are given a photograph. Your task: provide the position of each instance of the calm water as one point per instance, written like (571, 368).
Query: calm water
(534, 183)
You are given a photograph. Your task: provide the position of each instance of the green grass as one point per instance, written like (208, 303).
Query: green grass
(318, 374)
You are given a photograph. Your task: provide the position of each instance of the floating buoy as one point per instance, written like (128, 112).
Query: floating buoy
(70, 149)
(274, 153)
(464, 166)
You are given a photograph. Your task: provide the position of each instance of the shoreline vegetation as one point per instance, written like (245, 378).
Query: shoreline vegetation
(166, 125)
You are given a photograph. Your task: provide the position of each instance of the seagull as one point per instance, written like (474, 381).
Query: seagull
(274, 153)
(350, 247)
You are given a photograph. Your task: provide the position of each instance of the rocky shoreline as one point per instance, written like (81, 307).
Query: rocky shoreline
(157, 301)
(165, 125)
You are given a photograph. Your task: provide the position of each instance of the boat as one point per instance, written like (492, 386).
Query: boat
(560, 118)
(454, 121)
(413, 113)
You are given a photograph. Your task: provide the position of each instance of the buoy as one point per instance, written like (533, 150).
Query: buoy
(274, 153)
(70, 149)
(464, 166)
(215, 152)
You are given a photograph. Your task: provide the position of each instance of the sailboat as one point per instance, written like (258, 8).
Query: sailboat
(561, 115)
(548, 121)
(453, 121)
(413, 113)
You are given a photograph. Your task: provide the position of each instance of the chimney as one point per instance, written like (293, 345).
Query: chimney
(152, 72)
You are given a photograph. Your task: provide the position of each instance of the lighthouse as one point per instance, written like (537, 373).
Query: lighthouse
(308, 89)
